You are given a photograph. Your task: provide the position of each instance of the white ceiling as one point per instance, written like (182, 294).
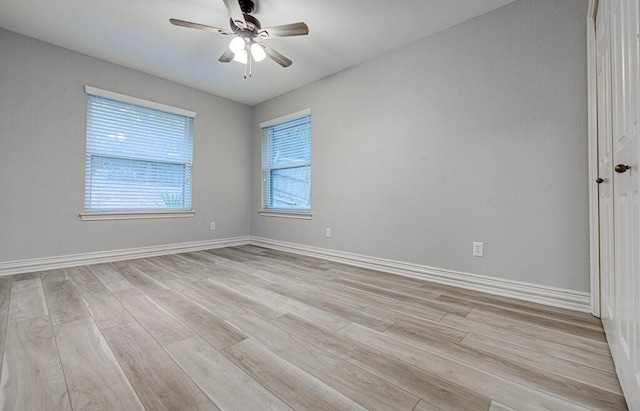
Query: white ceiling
(137, 34)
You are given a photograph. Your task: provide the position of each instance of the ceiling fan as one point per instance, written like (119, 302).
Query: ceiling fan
(248, 35)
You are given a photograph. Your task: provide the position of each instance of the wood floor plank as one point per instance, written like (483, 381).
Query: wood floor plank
(385, 309)
(209, 258)
(296, 260)
(159, 382)
(162, 271)
(27, 299)
(93, 375)
(386, 292)
(253, 249)
(268, 271)
(221, 380)
(105, 309)
(304, 330)
(348, 270)
(383, 306)
(5, 297)
(230, 254)
(425, 406)
(137, 277)
(531, 330)
(496, 406)
(194, 274)
(535, 315)
(228, 274)
(284, 267)
(63, 302)
(223, 293)
(32, 376)
(201, 295)
(293, 306)
(185, 264)
(206, 324)
(314, 297)
(473, 297)
(297, 388)
(158, 322)
(521, 371)
(420, 383)
(485, 383)
(417, 296)
(392, 282)
(361, 386)
(602, 362)
(53, 275)
(110, 277)
(563, 326)
(423, 328)
(26, 276)
(231, 277)
(588, 375)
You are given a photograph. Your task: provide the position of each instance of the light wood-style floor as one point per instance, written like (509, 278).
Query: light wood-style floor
(248, 328)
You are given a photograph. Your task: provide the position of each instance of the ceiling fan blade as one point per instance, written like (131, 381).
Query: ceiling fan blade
(198, 26)
(286, 30)
(227, 56)
(275, 56)
(235, 12)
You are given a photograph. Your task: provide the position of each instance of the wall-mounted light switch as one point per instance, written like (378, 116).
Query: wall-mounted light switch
(328, 232)
(213, 225)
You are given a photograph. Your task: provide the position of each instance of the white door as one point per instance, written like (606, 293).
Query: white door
(605, 167)
(618, 97)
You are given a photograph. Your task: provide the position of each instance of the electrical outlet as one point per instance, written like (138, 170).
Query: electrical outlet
(213, 225)
(328, 232)
(478, 249)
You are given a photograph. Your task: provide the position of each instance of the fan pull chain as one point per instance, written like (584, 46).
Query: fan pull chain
(249, 63)
(250, 58)
(245, 68)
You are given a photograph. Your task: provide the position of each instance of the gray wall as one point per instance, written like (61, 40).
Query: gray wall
(42, 142)
(478, 133)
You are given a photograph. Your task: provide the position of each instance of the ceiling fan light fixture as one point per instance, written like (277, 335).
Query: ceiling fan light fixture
(245, 30)
(237, 45)
(257, 52)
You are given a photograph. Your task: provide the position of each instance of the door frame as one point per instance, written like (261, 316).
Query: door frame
(594, 210)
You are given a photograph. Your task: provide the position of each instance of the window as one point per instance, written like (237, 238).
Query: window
(286, 163)
(138, 156)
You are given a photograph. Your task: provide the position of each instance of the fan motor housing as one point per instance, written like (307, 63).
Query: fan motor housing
(253, 24)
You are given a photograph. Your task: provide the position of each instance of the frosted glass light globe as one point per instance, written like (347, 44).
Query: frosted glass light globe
(258, 53)
(241, 57)
(237, 45)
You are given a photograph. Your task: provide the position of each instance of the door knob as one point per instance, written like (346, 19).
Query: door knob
(621, 168)
(599, 180)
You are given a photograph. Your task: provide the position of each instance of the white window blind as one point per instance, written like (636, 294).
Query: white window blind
(286, 163)
(138, 158)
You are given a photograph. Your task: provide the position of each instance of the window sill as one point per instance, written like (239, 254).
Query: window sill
(136, 215)
(300, 215)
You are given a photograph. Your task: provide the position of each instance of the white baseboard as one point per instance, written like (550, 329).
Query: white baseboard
(557, 297)
(50, 263)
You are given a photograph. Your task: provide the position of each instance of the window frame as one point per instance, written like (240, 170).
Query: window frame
(283, 212)
(127, 214)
